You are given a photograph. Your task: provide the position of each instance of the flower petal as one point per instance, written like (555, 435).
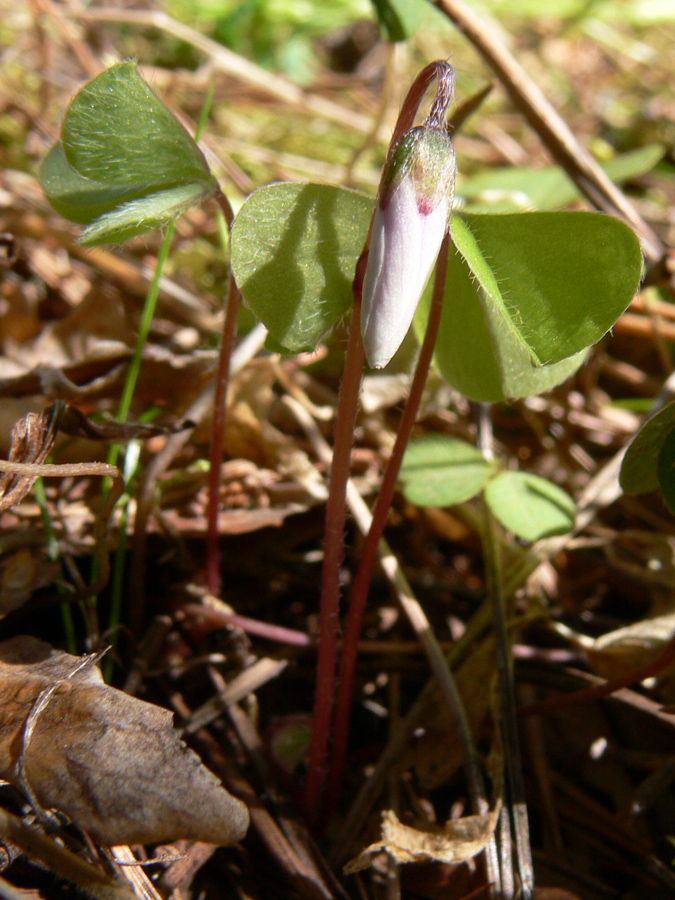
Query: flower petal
(404, 247)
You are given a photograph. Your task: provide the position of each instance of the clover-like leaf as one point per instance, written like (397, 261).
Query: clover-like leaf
(526, 293)
(294, 252)
(439, 470)
(475, 353)
(124, 164)
(666, 470)
(640, 467)
(529, 506)
(559, 279)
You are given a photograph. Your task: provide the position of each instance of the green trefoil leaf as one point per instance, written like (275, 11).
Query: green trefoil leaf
(124, 164)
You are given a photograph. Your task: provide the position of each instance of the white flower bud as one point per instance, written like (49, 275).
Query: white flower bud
(408, 227)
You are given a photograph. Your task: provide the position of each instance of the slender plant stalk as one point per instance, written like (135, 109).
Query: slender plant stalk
(201, 407)
(512, 758)
(411, 104)
(515, 829)
(359, 592)
(504, 835)
(117, 584)
(336, 511)
(339, 475)
(149, 307)
(147, 315)
(368, 558)
(117, 581)
(123, 410)
(213, 579)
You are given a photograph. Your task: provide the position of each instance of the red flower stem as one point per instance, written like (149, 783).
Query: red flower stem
(336, 511)
(226, 207)
(337, 506)
(359, 592)
(406, 118)
(213, 579)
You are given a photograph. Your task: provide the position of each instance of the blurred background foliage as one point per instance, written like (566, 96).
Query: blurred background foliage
(607, 66)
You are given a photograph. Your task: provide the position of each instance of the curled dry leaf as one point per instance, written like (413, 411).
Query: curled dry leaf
(112, 763)
(455, 842)
(31, 440)
(77, 424)
(616, 653)
(86, 377)
(251, 435)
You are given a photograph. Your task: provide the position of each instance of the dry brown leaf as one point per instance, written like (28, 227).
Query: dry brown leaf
(251, 435)
(456, 841)
(75, 423)
(21, 574)
(83, 377)
(616, 653)
(112, 763)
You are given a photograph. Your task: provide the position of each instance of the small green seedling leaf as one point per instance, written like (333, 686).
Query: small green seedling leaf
(294, 252)
(639, 471)
(529, 506)
(124, 164)
(666, 470)
(439, 470)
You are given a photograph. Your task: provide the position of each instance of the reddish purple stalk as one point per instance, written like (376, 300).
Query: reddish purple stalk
(359, 592)
(336, 511)
(336, 507)
(213, 578)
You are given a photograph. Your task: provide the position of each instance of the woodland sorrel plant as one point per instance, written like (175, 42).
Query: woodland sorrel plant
(124, 166)
(409, 225)
(516, 301)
